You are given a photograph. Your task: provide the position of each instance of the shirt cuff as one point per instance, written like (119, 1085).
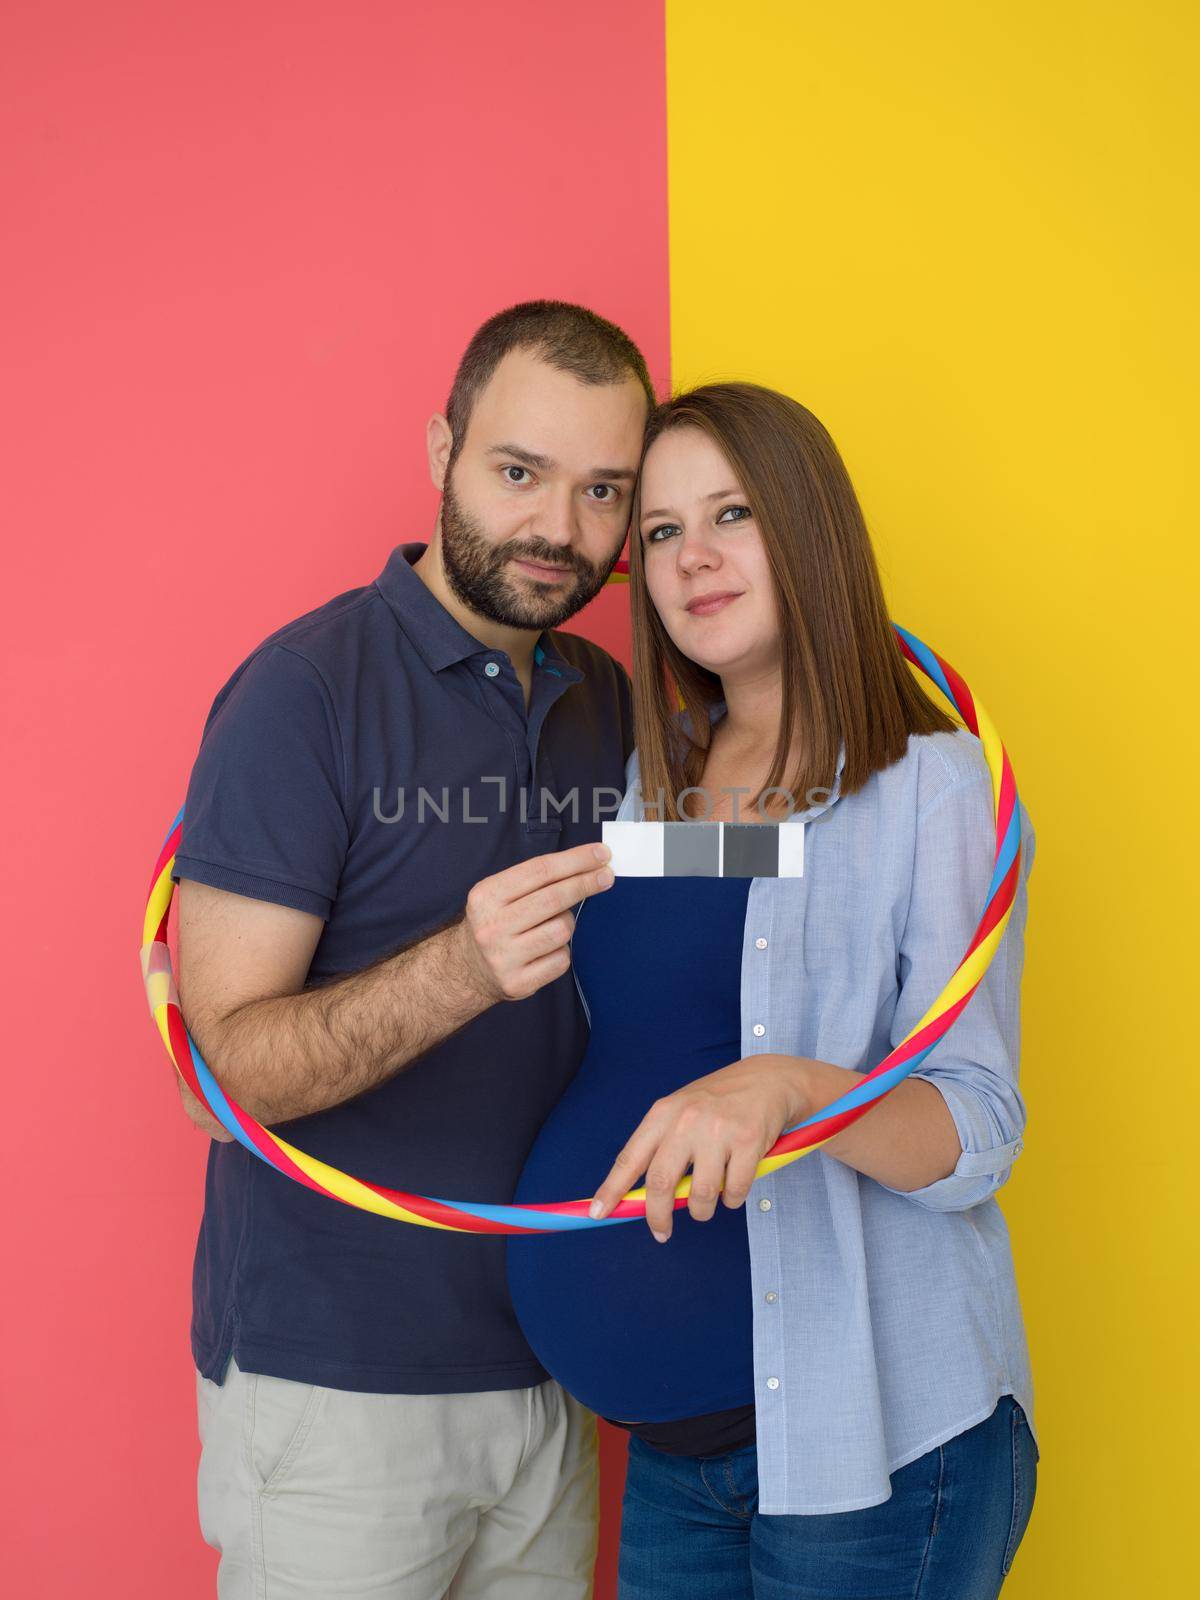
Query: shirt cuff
(981, 1169)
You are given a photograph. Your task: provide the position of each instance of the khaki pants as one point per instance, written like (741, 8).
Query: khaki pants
(308, 1491)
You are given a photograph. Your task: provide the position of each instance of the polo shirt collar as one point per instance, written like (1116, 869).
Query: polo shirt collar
(440, 639)
(550, 658)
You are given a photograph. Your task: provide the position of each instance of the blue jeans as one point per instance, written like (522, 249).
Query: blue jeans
(691, 1528)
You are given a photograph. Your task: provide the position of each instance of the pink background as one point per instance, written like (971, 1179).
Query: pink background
(245, 247)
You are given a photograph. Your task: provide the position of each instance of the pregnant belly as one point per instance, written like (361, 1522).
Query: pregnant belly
(635, 1329)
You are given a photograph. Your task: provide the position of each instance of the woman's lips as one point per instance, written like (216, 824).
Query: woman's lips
(709, 607)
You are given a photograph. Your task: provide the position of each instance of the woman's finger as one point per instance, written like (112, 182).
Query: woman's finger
(629, 1165)
(708, 1176)
(663, 1176)
(739, 1174)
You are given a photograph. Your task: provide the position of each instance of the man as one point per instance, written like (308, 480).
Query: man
(393, 811)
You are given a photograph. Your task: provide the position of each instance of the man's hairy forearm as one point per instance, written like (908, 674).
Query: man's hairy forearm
(293, 1055)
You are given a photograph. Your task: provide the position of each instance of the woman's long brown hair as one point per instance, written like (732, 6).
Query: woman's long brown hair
(843, 676)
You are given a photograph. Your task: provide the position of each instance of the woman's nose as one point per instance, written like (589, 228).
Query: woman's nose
(695, 553)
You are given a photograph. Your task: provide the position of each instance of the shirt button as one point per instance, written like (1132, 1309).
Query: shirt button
(760, 944)
(492, 670)
(770, 1297)
(764, 1205)
(758, 1030)
(772, 1383)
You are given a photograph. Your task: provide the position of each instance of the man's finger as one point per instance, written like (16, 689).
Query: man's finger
(539, 906)
(515, 882)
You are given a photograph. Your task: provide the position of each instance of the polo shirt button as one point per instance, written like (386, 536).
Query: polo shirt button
(772, 1383)
(760, 944)
(764, 1205)
(492, 670)
(758, 1030)
(770, 1297)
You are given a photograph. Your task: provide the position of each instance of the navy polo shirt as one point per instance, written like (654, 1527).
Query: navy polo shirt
(307, 791)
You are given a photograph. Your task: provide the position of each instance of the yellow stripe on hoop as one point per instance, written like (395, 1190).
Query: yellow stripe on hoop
(355, 1193)
(993, 752)
(159, 901)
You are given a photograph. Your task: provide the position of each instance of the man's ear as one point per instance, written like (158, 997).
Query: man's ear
(438, 440)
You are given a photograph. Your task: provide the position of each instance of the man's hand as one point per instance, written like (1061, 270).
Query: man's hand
(283, 1050)
(201, 1115)
(514, 936)
(721, 1125)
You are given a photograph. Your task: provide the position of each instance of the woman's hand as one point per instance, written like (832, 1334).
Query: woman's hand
(721, 1126)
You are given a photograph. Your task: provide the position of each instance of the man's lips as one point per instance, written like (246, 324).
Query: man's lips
(542, 569)
(706, 605)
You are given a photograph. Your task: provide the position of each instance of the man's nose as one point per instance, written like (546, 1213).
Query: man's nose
(556, 518)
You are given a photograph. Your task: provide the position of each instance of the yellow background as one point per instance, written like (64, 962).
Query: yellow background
(965, 237)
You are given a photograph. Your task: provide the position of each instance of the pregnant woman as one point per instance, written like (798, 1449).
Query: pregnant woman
(824, 1373)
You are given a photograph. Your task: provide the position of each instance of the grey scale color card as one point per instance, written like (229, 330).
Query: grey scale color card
(706, 849)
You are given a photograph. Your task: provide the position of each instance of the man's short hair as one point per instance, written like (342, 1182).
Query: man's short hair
(565, 336)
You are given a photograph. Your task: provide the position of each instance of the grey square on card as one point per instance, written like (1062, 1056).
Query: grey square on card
(691, 850)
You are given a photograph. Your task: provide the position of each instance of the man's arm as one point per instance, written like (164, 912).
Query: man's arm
(282, 1051)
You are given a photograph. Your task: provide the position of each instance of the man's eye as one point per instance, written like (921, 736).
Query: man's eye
(744, 510)
(610, 491)
(507, 470)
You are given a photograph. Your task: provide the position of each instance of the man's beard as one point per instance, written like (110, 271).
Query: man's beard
(475, 571)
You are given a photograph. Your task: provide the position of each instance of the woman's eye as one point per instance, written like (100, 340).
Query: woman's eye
(507, 470)
(669, 528)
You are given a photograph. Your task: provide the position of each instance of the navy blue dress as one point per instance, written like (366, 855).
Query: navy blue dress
(636, 1330)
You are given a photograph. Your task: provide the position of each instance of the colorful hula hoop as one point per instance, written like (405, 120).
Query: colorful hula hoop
(463, 1216)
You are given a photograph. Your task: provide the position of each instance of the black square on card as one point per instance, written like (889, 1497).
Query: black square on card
(751, 850)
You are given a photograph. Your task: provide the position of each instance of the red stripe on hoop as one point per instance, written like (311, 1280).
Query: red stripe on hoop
(962, 695)
(164, 855)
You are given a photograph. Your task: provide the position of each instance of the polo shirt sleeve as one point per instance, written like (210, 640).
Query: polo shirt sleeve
(265, 814)
(975, 1065)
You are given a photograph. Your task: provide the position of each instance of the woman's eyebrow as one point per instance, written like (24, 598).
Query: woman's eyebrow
(717, 494)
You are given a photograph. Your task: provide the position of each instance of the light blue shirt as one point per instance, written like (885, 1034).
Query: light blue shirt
(885, 1322)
